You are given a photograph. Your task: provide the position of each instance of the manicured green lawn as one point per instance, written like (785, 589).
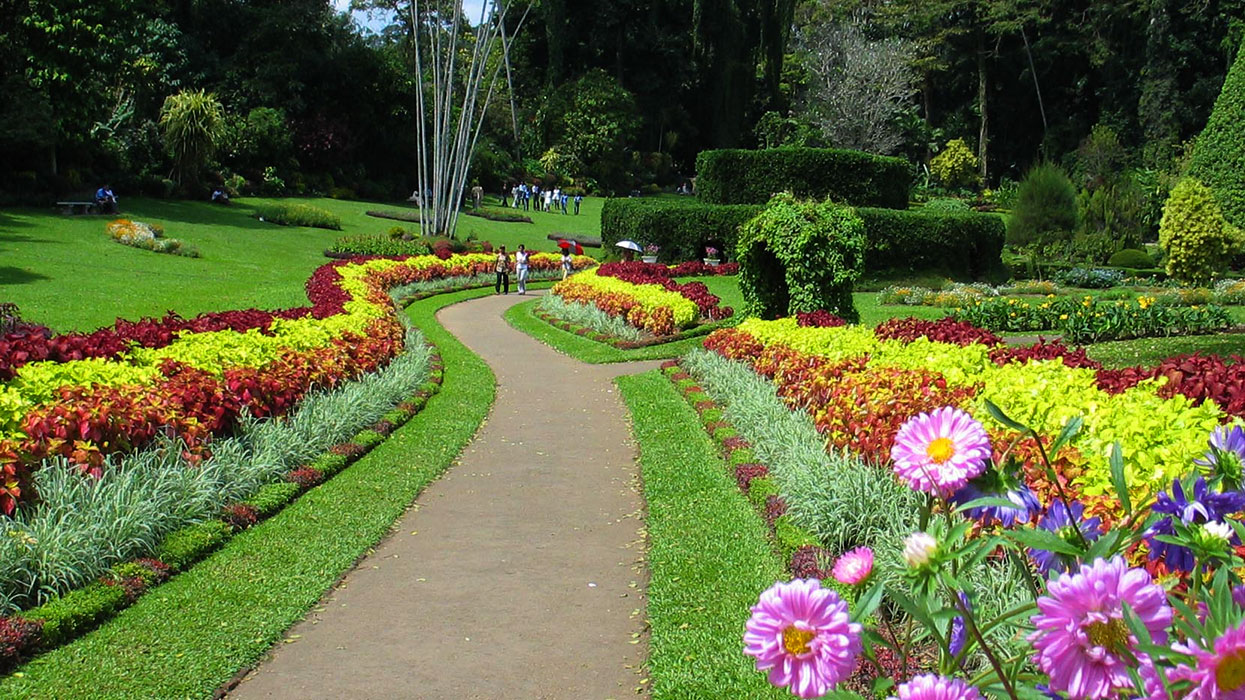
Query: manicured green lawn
(64, 271)
(1150, 351)
(708, 552)
(190, 635)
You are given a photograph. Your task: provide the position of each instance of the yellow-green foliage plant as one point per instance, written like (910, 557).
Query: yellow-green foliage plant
(955, 166)
(1197, 238)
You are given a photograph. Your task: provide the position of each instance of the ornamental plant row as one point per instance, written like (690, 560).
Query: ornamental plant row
(860, 385)
(88, 396)
(658, 305)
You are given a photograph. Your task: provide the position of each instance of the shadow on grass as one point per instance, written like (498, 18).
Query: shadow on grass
(16, 275)
(8, 221)
(237, 215)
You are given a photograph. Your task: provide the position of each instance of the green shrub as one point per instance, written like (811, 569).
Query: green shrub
(1045, 207)
(955, 165)
(724, 433)
(77, 611)
(187, 545)
(741, 456)
(1131, 257)
(291, 214)
(1219, 154)
(329, 463)
(1196, 237)
(801, 256)
(760, 489)
(368, 438)
(963, 244)
(271, 498)
(734, 176)
(1116, 211)
(791, 536)
(713, 415)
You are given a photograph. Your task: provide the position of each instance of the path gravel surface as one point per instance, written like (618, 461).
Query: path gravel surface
(517, 575)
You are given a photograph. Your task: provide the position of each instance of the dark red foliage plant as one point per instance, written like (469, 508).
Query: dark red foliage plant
(811, 561)
(305, 477)
(746, 472)
(240, 515)
(819, 319)
(944, 330)
(18, 638)
(1075, 358)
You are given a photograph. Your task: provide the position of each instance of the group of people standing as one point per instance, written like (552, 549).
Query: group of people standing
(521, 195)
(503, 266)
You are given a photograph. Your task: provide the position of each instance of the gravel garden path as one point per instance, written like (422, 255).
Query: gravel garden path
(517, 575)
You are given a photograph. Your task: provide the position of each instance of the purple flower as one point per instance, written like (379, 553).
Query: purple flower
(1059, 519)
(1205, 507)
(1218, 673)
(1227, 452)
(801, 633)
(854, 567)
(1238, 595)
(940, 451)
(1082, 641)
(930, 687)
(959, 633)
(995, 484)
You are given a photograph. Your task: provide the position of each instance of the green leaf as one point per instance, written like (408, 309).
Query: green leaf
(868, 602)
(1117, 477)
(998, 415)
(986, 502)
(1046, 540)
(1070, 430)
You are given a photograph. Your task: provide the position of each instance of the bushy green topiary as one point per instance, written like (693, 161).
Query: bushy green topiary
(955, 165)
(1219, 154)
(735, 176)
(801, 256)
(77, 611)
(1195, 235)
(1045, 207)
(1131, 257)
(946, 205)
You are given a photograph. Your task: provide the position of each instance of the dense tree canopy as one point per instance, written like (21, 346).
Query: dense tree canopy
(313, 102)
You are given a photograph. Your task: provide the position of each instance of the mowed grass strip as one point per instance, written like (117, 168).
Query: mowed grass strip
(709, 553)
(192, 634)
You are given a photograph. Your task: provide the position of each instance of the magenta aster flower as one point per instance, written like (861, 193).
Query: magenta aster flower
(1217, 675)
(801, 633)
(939, 452)
(930, 687)
(1082, 640)
(854, 566)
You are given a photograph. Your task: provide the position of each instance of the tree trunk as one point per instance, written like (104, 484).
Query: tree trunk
(983, 136)
(52, 158)
(927, 104)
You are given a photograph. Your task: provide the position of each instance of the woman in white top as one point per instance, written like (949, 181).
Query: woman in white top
(520, 266)
(566, 263)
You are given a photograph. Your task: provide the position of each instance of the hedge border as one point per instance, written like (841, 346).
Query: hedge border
(69, 616)
(739, 176)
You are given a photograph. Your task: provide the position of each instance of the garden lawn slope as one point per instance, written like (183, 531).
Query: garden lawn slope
(197, 630)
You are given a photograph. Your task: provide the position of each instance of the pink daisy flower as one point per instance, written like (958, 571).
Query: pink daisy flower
(1081, 635)
(1217, 675)
(941, 451)
(801, 633)
(854, 566)
(930, 687)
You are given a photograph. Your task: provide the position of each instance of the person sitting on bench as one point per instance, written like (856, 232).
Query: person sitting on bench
(106, 200)
(220, 196)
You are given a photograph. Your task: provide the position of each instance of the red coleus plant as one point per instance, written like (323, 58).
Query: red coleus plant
(944, 330)
(1044, 350)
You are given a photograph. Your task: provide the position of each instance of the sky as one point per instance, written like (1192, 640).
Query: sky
(471, 8)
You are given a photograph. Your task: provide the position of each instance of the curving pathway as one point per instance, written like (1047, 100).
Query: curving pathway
(518, 575)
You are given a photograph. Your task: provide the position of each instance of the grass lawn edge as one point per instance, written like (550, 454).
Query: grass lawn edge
(192, 634)
(709, 552)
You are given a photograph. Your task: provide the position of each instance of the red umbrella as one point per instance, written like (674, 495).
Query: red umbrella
(574, 246)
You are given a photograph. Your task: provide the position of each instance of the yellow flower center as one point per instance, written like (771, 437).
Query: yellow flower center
(795, 640)
(940, 450)
(1111, 635)
(1230, 674)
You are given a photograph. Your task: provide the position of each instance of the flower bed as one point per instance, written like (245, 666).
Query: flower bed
(85, 396)
(645, 295)
(860, 387)
(1089, 320)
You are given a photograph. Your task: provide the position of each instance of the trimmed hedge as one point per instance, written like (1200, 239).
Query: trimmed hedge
(1219, 153)
(736, 176)
(967, 244)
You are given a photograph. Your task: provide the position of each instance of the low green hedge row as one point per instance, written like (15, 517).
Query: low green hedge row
(736, 176)
(967, 244)
(71, 615)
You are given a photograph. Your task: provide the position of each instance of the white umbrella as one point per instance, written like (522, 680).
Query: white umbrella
(629, 245)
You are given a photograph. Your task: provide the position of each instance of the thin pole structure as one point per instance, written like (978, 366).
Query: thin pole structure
(449, 136)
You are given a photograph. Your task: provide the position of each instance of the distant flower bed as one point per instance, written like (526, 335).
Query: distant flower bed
(1090, 320)
(294, 214)
(148, 237)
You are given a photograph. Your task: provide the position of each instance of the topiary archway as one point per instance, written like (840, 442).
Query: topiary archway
(801, 256)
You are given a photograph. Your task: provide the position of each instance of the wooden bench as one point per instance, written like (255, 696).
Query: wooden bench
(76, 208)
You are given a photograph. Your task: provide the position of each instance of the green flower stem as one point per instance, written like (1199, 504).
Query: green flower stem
(971, 624)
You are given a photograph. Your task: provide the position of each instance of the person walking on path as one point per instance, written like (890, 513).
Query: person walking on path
(579, 198)
(503, 272)
(520, 267)
(477, 196)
